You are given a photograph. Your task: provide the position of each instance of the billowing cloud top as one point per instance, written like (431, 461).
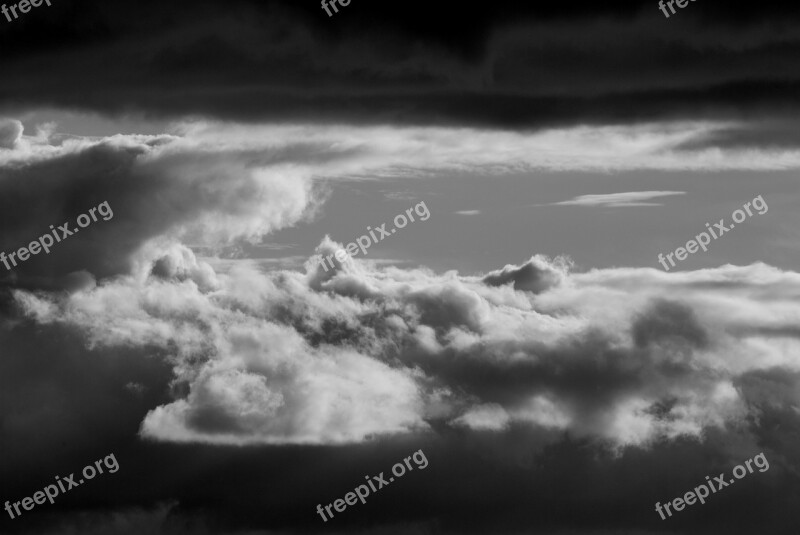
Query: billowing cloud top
(342, 356)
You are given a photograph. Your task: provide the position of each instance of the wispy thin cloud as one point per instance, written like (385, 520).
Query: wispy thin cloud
(619, 200)
(275, 246)
(468, 212)
(400, 195)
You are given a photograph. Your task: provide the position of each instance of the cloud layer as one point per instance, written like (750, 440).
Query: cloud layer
(341, 356)
(316, 357)
(506, 65)
(552, 378)
(215, 184)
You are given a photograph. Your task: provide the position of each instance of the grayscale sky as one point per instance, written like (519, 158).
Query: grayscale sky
(521, 334)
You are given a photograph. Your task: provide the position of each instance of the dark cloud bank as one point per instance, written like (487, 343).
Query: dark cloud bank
(498, 64)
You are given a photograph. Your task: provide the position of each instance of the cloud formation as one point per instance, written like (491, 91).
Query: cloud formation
(503, 66)
(215, 184)
(10, 133)
(357, 352)
(560, 379)
(335, 357)
(619, 200)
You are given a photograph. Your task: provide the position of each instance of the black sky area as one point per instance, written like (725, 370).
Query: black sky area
(502, 64)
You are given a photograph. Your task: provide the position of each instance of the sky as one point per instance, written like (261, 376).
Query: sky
(193, 283)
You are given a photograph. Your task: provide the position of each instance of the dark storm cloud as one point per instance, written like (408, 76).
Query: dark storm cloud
(154, 188)
(58, 191)
(498, 64)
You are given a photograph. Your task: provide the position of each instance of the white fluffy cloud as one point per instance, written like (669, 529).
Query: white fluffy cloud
(338, 357)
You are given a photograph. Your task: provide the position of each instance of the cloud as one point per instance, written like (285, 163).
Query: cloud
(374, 152)
(618, 200)
(468, 212)
(401, 195)
(10, 133)
(119, 522)
(162, 519)
(744, 136)
(360, 351)
(158, 187)
(219, 184)
(559, 379)
(365, 350)
(491, 417)
(275, 61)
(537, 275)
